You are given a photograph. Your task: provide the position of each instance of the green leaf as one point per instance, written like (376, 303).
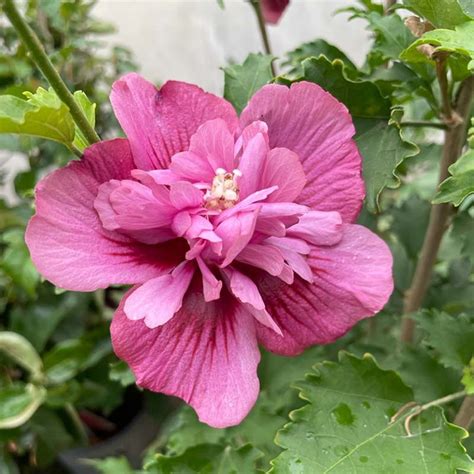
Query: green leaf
(451, 336)
(119, 465)
(442, 13)
(42, 115)
(468, 377)
(459, 41)
(241, 81)
(362, 98)
(208, 458)
(460, 184)
(22, 352)
(120, 372)
(88, 107)
(345, 427)
(384, 149)
(314, 49)
(18, 403)
(391, 34)
(16, 261)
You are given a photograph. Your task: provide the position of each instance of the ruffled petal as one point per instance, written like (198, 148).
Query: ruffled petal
(160, 122)
(319, 228)
(170, 289)
(66, 239)
(352, 281)
(207, 354)
(319, 129)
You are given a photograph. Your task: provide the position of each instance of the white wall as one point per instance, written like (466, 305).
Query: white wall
(190, 39)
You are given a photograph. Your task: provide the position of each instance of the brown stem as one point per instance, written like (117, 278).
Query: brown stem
(441, 73)
(465, 416)
(439, 215)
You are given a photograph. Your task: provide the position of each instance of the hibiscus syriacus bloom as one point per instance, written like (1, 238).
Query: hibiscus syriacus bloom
(272, 10)
(234, 232)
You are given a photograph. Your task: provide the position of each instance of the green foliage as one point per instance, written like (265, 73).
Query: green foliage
(118, 465)
(241, 81)
(460, 184)
(442, 13)
(346, 427)
(80, 142)
(459, 41)
(18, 403)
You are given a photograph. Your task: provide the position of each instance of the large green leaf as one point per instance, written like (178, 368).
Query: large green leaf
(22, 352)
(442, 13)
(384, 149)
(460, 184)
(345, 427)
(18, 403)
(206, 459)
(459, 41)
(241, 81)
(451, 336)
(42, 115)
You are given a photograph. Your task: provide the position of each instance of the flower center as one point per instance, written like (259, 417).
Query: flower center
(224, 192)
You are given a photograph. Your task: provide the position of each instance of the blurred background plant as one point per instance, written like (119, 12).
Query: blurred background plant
(55, 352)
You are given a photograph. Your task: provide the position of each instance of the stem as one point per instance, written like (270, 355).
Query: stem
(263, 30)
(424, 123)
(76, 421)
(439, 215)
(75, 150)
(388, 5)
(38, 54)
(441, 72)
(465, 416)
(443, 400)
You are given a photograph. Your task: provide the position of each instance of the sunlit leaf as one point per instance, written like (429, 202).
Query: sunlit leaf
(80, 141)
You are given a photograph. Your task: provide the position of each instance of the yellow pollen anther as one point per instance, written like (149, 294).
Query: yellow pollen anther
(224, 192)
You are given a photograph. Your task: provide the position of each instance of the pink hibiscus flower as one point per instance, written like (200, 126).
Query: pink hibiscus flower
(272, 10)
(234, 233)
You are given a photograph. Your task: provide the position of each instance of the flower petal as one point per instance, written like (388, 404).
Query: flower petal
(207, 354)
(252, 164)
(170, 289)
(160, 123)
(352, 281)
(66, 239)
(319, 228)
(318, 128)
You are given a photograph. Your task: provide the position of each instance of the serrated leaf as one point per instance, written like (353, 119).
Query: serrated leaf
(442, 13)
(18, 403)
(88, 107)
(208, 458)
(314, 49)
(451, 336)
(42, 115)
(460, 184)
(20, 350)
(346, 426)
(384, 149)
(459, 41)
(120, 372)
(241, 81)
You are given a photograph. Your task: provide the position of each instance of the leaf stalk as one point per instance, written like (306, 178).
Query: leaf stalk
(263, 30)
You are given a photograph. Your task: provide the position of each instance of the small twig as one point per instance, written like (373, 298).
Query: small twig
(75, 150)
(465, 415)
(423, 123)
(263, 30)
(417, 409)
(44, 64)
(442, 74)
